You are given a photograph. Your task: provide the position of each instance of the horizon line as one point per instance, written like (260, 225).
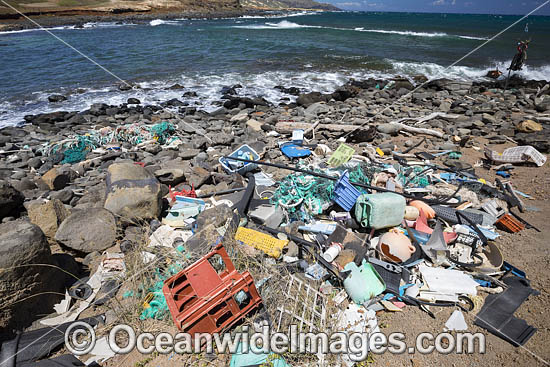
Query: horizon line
(427, 12)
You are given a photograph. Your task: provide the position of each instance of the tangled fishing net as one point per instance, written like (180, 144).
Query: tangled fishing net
(75, 149)
(303, 196)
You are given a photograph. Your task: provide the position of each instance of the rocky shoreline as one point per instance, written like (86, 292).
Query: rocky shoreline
(75, 207)
(79, 19)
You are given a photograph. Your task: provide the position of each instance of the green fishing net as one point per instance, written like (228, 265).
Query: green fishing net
(76, 148)
(303, 196)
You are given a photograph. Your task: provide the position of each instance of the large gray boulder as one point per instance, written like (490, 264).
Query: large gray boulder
(132, 192)
(11, 200)
(88, 230)
(22, 247)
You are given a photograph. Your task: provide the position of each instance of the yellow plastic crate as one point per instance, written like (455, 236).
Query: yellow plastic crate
(261, 241)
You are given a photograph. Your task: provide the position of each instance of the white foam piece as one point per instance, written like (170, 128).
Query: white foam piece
(456, 322)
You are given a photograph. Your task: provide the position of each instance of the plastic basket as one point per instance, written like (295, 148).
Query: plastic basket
(244, 152)
(270, 245)
(510, 223)
(344, 193)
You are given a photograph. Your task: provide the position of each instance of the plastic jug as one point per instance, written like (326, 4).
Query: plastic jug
(380, 210)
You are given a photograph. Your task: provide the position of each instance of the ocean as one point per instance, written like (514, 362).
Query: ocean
(309, 50)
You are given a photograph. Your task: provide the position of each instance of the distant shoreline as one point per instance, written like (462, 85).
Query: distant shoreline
(80, 17)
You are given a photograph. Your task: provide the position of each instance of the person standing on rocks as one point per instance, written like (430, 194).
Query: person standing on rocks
(520, 57)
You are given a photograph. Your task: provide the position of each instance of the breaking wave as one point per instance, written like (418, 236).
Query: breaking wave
(284, 24)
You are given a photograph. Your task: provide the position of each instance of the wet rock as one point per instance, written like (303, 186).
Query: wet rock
(176, 87)
(56, 98)
(133, 101)
(228, 90)
(11, 200)
(310, 98)
(132, 192)
(47, 118)
(342, 94)
(88, 230)
(47, 215)
(124, 87)
(174, 102)
(292, 90)
(23, 243)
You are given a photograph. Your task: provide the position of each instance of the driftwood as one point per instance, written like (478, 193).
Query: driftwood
(418, 120)
(286, 127)
(417, 130)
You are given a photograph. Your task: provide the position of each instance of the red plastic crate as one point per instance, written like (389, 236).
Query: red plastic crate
(509, 223)
(203, 300)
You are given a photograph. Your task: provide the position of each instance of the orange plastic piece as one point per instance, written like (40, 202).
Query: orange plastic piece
(202, 299)
(510, 223)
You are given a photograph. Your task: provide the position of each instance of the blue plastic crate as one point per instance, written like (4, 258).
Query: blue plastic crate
(344, 193)
(244, 152)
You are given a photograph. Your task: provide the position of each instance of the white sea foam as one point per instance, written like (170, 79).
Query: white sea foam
(157, 22)
(88, 25)
(285, 15)
(284, 24)
(416, 34)
(208, 87)
(38, 29)
(434, 71)
(105, 25)
(291, 25)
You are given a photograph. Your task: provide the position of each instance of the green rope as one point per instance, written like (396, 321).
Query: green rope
(312, 193)
(76, 148)
(158, 306)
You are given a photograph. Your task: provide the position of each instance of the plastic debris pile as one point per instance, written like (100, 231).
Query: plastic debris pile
(337, 243)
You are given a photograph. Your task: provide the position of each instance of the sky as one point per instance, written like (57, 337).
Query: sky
(445, 6)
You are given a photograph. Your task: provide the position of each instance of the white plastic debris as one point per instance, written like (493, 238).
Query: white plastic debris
(456, 322)
(166, 235)
(64, 305)
(95, 283)
(101, 352)
(448, 281)
(356, 319)
(519, 154)
(263, 179)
